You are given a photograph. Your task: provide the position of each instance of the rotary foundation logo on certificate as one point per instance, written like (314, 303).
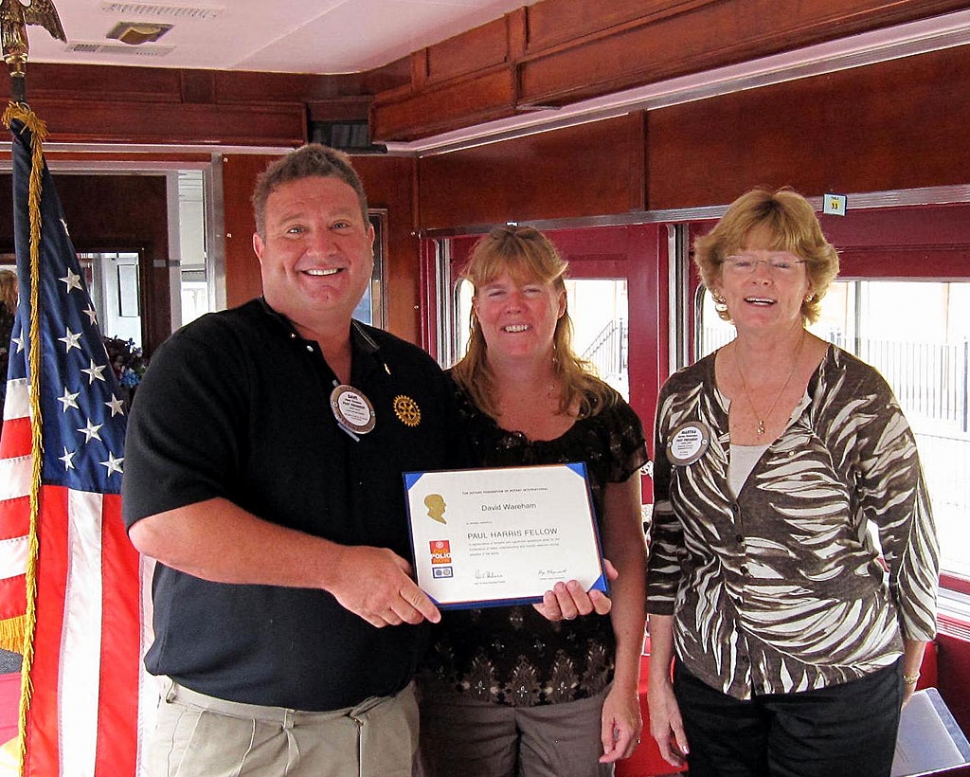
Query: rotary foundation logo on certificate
(440, 557)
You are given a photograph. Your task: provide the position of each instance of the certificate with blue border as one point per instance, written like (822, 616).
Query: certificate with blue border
(490, 537)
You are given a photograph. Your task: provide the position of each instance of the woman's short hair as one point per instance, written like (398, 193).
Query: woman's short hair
(790, 223)
(527, 256)
(309, 161)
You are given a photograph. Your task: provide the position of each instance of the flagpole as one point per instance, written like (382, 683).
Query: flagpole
(14, 18)
(38, 132)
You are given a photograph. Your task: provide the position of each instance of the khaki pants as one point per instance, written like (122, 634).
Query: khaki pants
(201, 736)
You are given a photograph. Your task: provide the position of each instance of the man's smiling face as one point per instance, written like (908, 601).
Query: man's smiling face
(316, 255)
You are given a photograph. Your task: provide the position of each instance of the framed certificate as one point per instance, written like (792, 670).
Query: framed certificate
(490, 537)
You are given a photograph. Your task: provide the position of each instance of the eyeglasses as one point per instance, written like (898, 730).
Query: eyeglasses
(782, 264)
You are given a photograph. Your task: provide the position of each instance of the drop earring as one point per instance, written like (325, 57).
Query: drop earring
(719, 304)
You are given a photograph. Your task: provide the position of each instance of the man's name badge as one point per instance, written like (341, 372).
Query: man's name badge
(688, 442)
(352, 409)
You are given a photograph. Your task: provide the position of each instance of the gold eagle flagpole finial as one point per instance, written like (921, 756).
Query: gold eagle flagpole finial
(14, 18)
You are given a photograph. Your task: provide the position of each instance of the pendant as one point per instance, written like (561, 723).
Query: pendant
(761, 428)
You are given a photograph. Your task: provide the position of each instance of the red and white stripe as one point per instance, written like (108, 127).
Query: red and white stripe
(92, 703)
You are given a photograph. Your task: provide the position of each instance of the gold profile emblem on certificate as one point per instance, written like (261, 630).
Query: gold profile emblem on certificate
(436, 507)
(407, 410)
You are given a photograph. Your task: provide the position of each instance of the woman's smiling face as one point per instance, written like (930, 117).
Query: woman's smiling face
(518, 318)
(763, 288)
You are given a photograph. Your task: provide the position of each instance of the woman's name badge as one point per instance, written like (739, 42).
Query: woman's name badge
(688, 442)
(352, 409)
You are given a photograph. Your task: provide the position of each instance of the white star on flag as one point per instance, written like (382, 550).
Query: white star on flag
(91, 314)
(94, 372)
(113, 464)
(68, 459)
(69, 400)
(116, 405)
(90, 431)
(72, 280)
(71, 340)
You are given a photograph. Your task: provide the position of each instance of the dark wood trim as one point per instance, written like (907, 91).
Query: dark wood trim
(483, 98)
(552, 53)
(893, 125)
(570, 55)
(80, 121)
(476, 51)
(588, 170)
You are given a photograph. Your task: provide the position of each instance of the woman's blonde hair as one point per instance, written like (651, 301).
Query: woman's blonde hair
(8, 291)
(528, 256)
(790, 223)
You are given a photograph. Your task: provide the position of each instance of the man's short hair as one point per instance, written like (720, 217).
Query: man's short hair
(313, 159)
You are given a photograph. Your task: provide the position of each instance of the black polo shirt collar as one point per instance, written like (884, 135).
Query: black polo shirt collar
(362, 344)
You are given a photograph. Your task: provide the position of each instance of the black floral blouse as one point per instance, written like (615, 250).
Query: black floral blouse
(512, 655)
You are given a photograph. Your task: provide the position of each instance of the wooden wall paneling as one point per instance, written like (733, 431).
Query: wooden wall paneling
(904, 242)
(456, 104)
(930, 227)
(587, 170)
(555, 22)
(198, 86)
(478, 49)
(149, 84)
(419, 72)
(256, 88)
(239, 173)
(560, 53)
(98, 83)
(638, 161)
(340, 109)
(390, 76)
(115, 213)
(893, 125)
(389, 183)
(82, 121)
(518, 34)
(705, 36)
(100, 104)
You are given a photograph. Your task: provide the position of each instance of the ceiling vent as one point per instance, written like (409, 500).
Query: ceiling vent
(82, 47)
(138, 33)
(157, 10)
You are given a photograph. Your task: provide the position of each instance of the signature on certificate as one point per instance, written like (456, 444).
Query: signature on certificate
(545, 574)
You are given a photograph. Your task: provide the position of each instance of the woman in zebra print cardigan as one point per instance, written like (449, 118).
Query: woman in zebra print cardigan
(793, 564)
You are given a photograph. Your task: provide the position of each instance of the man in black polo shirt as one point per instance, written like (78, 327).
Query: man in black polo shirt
(263, 471)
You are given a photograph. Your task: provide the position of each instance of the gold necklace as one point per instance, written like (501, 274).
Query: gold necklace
(737, 365)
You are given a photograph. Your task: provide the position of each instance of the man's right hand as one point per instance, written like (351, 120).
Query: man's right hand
(376, 584)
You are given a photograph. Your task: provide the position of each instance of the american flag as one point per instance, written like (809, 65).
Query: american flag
(81, 711)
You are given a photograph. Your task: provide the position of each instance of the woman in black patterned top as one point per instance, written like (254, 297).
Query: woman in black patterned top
(797, 635)
(539, 691)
